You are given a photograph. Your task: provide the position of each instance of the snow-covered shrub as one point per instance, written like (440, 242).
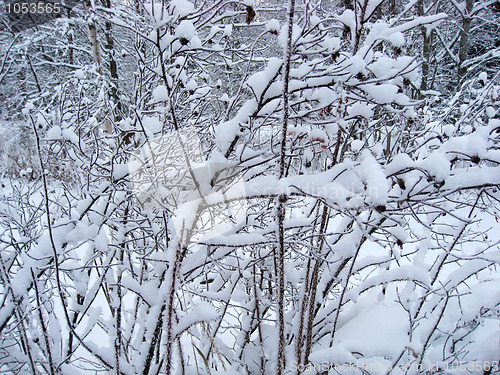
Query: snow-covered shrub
(356, 240)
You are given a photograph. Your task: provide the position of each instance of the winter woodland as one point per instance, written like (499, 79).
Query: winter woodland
(251, 187)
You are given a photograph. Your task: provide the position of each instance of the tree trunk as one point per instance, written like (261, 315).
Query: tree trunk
(113, 68)
(427, 38)
(94, 43)
(464, 42)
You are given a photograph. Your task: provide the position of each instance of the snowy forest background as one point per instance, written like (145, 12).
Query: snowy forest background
(198, 188)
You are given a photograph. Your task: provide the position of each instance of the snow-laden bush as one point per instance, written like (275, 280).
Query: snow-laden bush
(255, 196)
